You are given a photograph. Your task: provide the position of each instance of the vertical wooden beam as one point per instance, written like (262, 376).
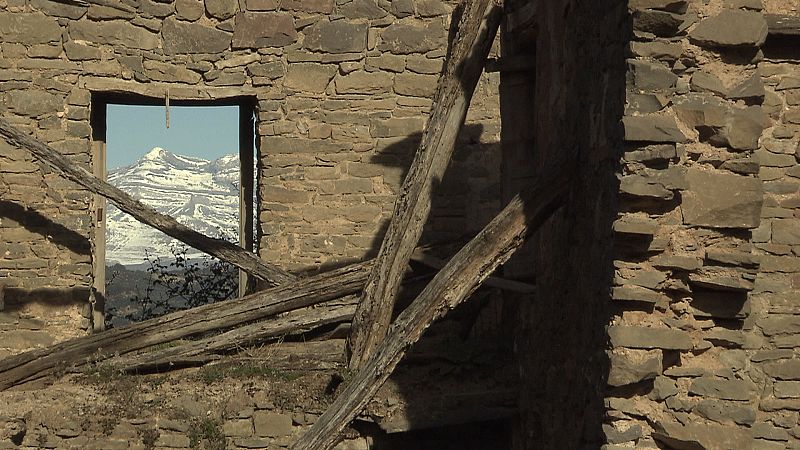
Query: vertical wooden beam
(246, 186)
(452, 285)
(99, 169)
(476, 31)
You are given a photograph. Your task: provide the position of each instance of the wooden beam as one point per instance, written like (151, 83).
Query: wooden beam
(224, 250)
(208, 349)
(459, 278)
(783, 25)
(476, 31)
(224, 315)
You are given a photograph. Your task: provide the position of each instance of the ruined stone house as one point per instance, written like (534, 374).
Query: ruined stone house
(668, 285)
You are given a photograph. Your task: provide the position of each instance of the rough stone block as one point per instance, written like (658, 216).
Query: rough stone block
(404, 126)
(115, 32)
(787, 389)
(786, 231)
(309, 77)
(338, 36)
(28, 28)
(723, 411)
(360, 82)
(33, 102)
(404, 37)
(702, 436)
(721, 200)
(731, 29)
(190, 10)
(415, 85)
(723, 389)
(238, 428)
(652, 128)
(222, 9)
(628, 366)
(309, 6)
(362, 9)
(272, 424)
(263, 29)
(659, 23)
(283, 195)
(181, 37)
(637, 294)
(649, 338)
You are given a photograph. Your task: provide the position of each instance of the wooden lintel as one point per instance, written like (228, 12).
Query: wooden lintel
(783, 25)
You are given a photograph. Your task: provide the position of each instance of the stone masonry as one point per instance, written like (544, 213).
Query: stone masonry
(704, 345)
(342, 88)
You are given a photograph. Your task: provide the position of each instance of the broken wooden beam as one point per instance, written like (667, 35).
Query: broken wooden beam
(208, 349)
(223, 315)
(459, 278)
(219, 248)
(477, 28)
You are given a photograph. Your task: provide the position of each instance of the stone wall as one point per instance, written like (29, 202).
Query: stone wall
(702, 334)
(342, 89)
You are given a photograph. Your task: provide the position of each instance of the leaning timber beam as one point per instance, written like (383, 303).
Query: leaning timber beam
(208, 349)
(476, 31)
(224, 250)
(40, 363)
(454, 283)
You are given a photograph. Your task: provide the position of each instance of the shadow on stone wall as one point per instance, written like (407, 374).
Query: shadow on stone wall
(36, 222)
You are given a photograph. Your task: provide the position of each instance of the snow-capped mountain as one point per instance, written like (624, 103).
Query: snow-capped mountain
(204, 195)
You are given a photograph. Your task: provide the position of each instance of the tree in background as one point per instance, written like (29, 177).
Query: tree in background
(172, 284)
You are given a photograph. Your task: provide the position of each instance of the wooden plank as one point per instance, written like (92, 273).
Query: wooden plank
(224, 315)
(783, 25)
(454, 283)
(224, 250)
(476, 31)
(207, 349)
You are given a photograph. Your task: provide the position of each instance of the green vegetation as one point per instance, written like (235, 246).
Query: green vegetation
(216, 372)
(209, 431)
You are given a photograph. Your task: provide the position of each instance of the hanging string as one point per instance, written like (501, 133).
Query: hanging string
(166, 102)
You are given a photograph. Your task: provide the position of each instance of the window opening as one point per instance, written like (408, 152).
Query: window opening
(201, 171)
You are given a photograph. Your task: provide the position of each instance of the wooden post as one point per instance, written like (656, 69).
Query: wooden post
(218, 248)
(454, 283)
(476, 31)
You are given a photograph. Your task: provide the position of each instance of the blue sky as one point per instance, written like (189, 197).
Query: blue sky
(204, 131)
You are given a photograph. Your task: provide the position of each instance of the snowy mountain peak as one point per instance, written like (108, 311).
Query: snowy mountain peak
(201, 194)
(155, 153)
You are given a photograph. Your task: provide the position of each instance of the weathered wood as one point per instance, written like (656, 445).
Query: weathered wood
(224, 250)
(459, 278)
(40, 363)
(476, 31)
(783, 25)
(493, 281)
(208, 349)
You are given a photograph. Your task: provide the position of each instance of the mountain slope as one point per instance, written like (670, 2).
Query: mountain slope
(204, 195)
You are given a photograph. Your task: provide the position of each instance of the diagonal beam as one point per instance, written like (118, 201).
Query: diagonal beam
(476, 31)
(451, 286)
(219, 248)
